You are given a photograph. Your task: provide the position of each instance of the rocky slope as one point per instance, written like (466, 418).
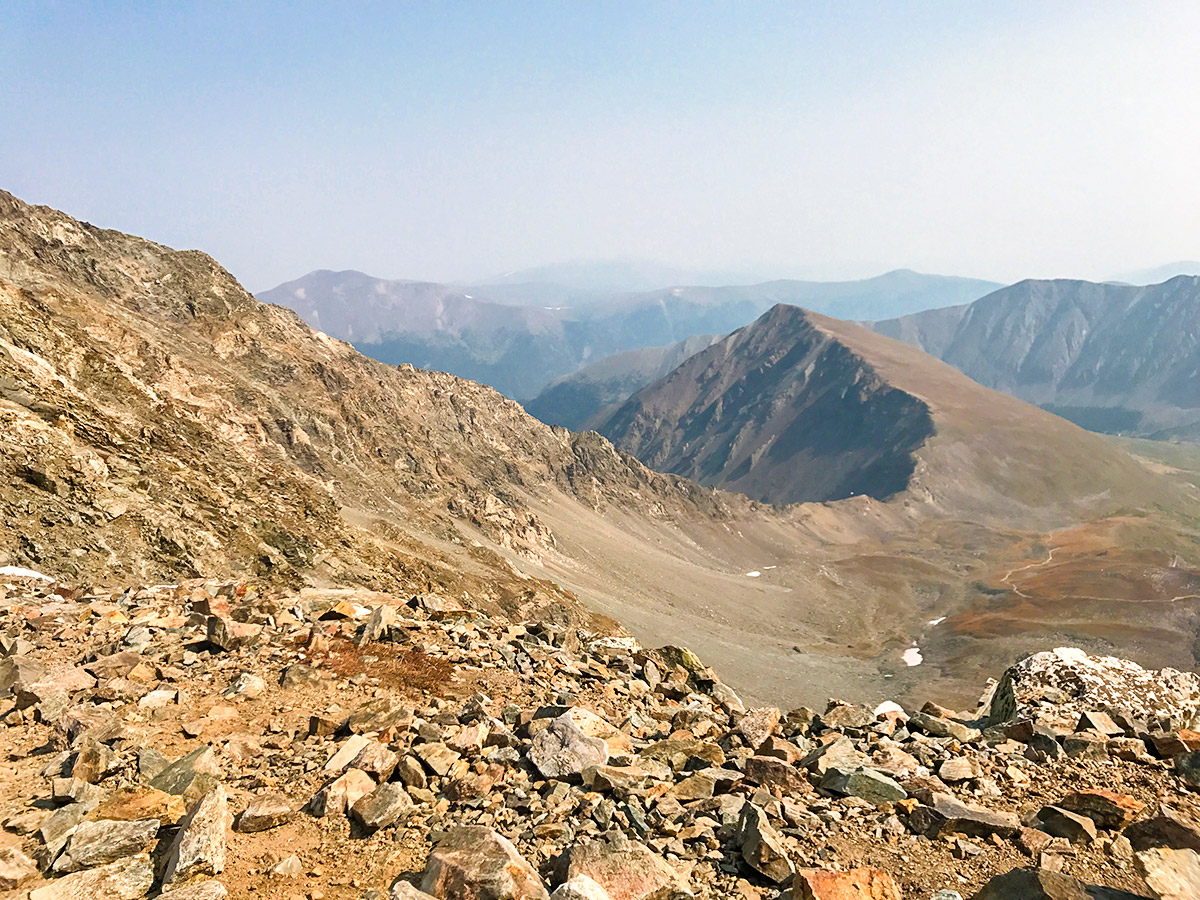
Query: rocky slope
(582, 400)
(519, 349)
(157, 416)
(1111, 357)
(211, 739)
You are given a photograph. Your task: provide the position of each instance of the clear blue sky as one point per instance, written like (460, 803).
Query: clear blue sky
(458, 140)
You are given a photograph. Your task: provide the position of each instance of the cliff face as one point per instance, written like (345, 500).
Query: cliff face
(781, 411)
(1112, 357)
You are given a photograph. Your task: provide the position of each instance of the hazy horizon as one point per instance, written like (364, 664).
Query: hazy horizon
(461, 141)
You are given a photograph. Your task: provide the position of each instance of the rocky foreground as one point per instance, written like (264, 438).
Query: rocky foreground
(208, 740)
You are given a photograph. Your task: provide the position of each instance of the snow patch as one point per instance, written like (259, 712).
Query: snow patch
(937, 621)
(18, 572)
(753, 574)
(912, 656)
(889, 706)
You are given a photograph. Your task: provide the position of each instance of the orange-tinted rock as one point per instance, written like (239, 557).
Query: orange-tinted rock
(855, 884)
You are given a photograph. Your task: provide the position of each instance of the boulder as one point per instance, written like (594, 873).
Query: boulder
(384, 806)
(474, 862)
(1107, 809)
(15, 868)
(1176, 824)
(562, 751)
(191, 776)
(338, 795)
(872, 786)
(1171, 874)
(126, 879)
(1060, 823)
(199, 846)
(97, 843)
(264, 812)
(132, 803)
(403, 890)
(201, 890)
(942, 813)
(761, 845)
(1061, 685)
(758, 724)
(853, 884)
(624, 869)
(579, 888)
(1043, 884)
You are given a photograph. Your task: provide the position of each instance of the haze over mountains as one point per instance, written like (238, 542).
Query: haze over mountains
(159, 422)
(1111, 357)
(519, 349)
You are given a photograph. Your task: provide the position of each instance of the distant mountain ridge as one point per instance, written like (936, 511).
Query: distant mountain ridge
(519, 349)
(1111, 357)
(581, 400)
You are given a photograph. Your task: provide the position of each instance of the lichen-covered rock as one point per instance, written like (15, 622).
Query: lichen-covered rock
(1060, 685)
(97, 843)
(126, 879)
(199, 847)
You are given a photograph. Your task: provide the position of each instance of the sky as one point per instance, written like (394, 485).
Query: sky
(456, 141)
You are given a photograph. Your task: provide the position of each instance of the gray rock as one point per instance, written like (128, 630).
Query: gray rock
(58, 828)
(1171, 874)
(126, 879)
(762, 846)
(942, 813)
(868, 784)
(97, 843)
(402, 890)
(939, 727)
(1060, 685)
(1064, 824)
(191, 776)
(199, 846)
(201, 890)
(1042, 884)
(562, 751)
(384, 806)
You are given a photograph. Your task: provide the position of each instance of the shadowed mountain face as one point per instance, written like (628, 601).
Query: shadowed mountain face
(780, 411)
(520, 348)
(1111, 357)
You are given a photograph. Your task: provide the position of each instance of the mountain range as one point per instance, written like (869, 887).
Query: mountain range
(519, 349)
(1112, 357)
(157, 423)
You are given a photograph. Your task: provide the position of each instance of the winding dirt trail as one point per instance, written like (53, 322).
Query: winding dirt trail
(1007, 579)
